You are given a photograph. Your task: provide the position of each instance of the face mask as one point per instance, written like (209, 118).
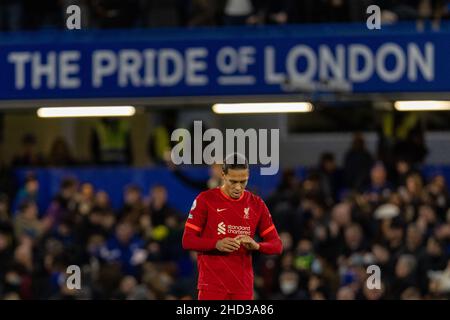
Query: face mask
(13, 279)
(288, 287)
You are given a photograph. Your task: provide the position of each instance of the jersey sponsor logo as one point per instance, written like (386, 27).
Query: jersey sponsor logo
(221, 228)
(247, 213)
(220, 210)
(239, 230)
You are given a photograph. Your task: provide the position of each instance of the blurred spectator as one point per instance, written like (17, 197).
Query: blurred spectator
(158, 206)
(357, 164)
(358, 9)
(402, 170)
(27, 221)
(125, 249)
(102, 200)
(8, 183)
(354, 240)
(336, 10)
(433, 259)
(289, 287)
(65, 204)
(379, 188)
(86, 199)
(113, 14)
(438, 194)
(306, 11)
(111, 142)
(60, 154)
(29, 192)
(330, 178)
(214, 180)
(203, 13)
(4, 211)
(133, 204)
(159, 143)
(239, 12)
(285, 197)
(414, 239)
(412, 148)
(412, 293)
(396, 10)
(42, 14)
(11, 12)
(163, 13)
(374, 294)
(127, 287)
(28, 156)
(405, 275)
(414, 195)
(431, 10)
(345, 293)
(95, 228)
(273, 11)
(6, 251)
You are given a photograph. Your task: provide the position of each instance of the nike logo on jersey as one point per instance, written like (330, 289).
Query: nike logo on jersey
(220, 210)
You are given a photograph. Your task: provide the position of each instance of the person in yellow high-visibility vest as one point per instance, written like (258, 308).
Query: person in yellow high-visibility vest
(159, 143)
(111, 142)
(401, 138)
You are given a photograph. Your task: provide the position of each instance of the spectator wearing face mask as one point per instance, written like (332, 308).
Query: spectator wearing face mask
(289, 287)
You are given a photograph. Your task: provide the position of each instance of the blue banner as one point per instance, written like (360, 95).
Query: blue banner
(229, 62)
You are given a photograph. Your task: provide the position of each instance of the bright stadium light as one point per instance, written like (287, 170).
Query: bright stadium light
(266, 107)
(422, 105)
(72, 112)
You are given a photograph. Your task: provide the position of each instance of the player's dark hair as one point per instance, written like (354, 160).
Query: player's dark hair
(234, 161)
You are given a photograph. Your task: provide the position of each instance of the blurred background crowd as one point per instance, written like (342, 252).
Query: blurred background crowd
(334, 222)
(18, 15)
(336, 218)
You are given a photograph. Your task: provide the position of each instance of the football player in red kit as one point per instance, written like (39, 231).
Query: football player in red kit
(221, 227)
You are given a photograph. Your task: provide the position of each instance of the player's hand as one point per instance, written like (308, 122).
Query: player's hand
(248, 242)
(227, 245)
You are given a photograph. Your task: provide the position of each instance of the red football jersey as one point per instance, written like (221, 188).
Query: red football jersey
(214, 216)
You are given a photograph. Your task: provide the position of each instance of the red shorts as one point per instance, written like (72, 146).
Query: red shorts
(212, 295)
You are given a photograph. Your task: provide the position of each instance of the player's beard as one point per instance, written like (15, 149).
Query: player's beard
(236, 194)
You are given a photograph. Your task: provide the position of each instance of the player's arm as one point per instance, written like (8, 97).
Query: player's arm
(194, 227)
(271, 242)
(192, 239)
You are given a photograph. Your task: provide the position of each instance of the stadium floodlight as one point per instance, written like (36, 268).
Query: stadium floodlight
(266, 107)
(425, 105)
(73, 112)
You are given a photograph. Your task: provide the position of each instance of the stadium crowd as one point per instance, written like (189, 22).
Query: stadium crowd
(44, 14)
(334, 223)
